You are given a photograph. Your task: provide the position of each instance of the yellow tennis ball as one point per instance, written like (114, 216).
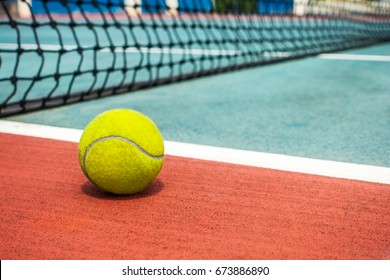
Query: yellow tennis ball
(121, 151)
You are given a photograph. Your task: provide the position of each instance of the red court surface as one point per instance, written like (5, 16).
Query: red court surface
(195, 209)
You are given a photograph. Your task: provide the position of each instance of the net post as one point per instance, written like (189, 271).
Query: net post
(133, 7)
(23, 7)
(173, 6)
(300, 7)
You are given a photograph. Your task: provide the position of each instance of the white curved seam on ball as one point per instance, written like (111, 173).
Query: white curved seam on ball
(123, 139)
(115, 137)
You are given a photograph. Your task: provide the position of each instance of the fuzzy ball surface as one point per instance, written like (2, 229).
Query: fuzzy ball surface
(121, 151)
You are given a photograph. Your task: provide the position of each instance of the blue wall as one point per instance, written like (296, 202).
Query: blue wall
(153, 6)
(195, 5)
(275, 6)
(57, 7)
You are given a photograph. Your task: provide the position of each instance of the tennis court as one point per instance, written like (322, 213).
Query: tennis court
(276, 127)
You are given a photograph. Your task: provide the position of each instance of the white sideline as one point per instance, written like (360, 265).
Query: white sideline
(360, 57)
(249, 158)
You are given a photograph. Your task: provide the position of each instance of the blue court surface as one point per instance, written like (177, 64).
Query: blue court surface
(334, 107)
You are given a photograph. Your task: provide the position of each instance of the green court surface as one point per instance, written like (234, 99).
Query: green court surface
(333, 109)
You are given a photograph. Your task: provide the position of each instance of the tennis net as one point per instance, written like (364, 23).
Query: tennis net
(56, 52)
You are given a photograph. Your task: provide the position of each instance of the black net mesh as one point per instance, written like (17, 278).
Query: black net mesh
(60, 52)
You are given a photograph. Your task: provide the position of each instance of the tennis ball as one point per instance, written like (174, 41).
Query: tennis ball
(121, 151)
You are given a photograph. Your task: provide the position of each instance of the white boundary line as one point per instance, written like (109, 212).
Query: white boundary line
(380, 58)
(249, 158)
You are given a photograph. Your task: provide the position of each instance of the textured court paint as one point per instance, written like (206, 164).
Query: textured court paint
(315, 108)
(194, 210)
